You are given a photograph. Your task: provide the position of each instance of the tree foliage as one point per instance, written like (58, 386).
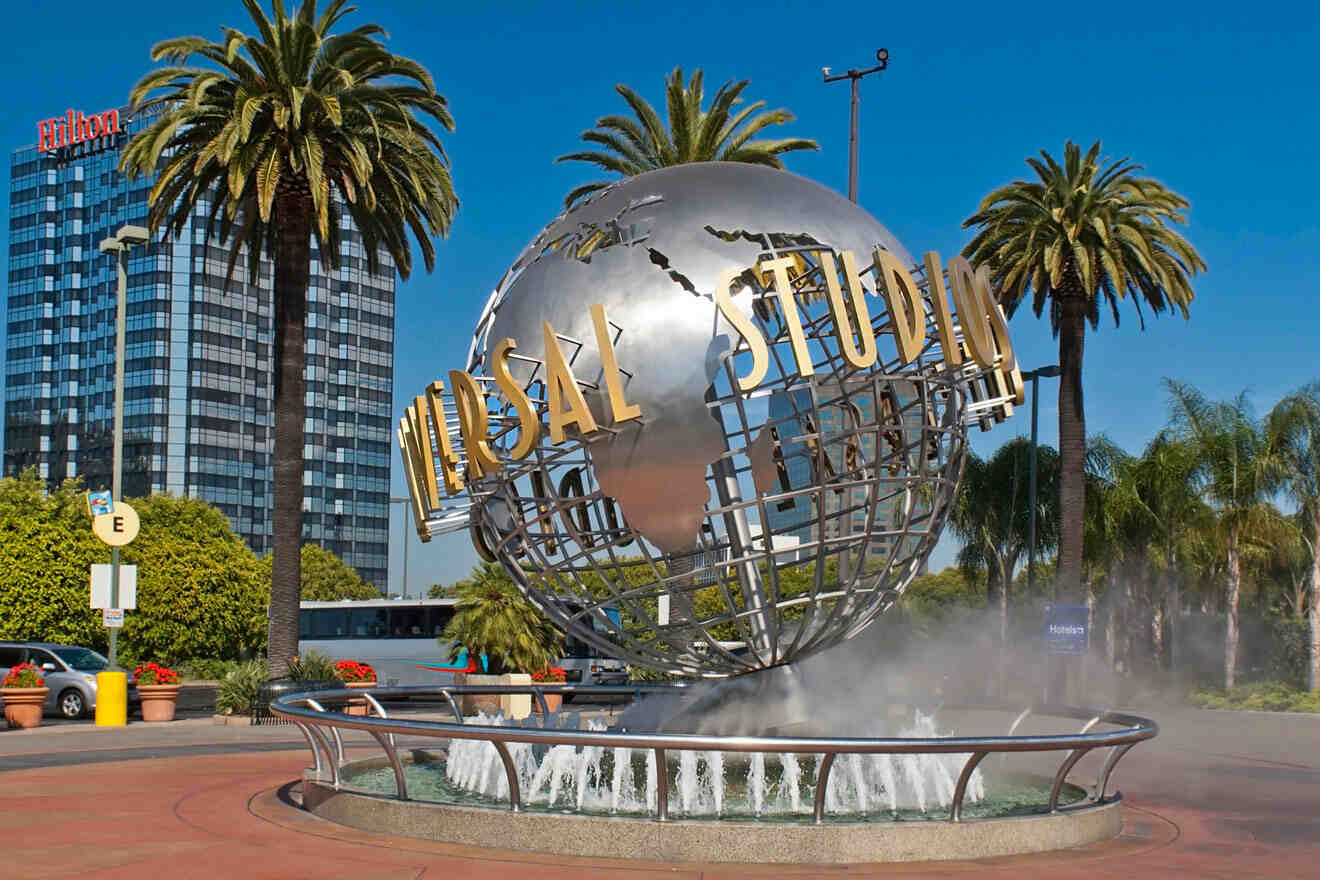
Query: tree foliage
(326, 577)
(635, 145)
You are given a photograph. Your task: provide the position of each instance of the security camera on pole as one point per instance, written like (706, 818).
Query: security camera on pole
(119, 524)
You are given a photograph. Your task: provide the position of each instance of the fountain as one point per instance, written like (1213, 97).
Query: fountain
(712, 422)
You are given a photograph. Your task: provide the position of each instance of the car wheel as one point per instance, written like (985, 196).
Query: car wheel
(72, 704)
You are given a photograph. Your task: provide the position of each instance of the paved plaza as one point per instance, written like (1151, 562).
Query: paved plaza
(1217, 795)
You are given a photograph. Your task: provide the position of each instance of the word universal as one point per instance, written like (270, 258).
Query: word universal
(980, 337)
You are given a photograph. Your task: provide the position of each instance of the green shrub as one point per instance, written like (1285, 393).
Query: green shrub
(312, 666)
(238, 689)
(207, 668)
(1264, 696)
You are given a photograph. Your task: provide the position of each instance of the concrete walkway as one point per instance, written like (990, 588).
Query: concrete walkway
(1218, 795)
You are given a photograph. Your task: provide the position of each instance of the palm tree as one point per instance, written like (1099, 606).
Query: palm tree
(270, 141)
(991, 514)
(494, 618)
(1293, 428)
(1236, 476)
(1086, 232)
(633, 146)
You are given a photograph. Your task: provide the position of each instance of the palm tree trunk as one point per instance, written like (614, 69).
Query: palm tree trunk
(1174, 609)
(1313, 614)
(1005, 580)
(292, 258)
(1072, 447)
(1231, 634)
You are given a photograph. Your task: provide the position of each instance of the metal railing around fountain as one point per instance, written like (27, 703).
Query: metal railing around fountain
(314, 721)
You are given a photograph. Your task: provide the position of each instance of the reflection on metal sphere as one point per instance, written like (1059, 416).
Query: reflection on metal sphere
(723, 531)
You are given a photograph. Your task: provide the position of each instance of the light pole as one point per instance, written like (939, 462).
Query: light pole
(119, 244)
(855, 76)
(1034, 375)
(405, 502)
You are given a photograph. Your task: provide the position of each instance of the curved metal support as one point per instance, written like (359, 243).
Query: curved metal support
(545, 707)
(339, 740)
(311, 744)
(453, 706)
(387, 745)
(515, 794)
(1018, 720)
(1068, 763)
(1092, 723)
(960, 790)
(329, 754)
(661, 787)
(822, 782)
(380, 711)
(1102, 781)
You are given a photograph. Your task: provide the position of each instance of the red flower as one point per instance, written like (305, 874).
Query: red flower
(550, 675)
(154, 673)
(24, 675)
(351, 670)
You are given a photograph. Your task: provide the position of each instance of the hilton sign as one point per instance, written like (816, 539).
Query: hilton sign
(75, 128)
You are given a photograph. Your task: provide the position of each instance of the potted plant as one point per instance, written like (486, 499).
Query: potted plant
(24, 693)
(550, 675)
(159, 689)
(355, 675)
(494, 618)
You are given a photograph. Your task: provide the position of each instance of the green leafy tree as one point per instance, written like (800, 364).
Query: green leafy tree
(46, 550)
(938, 596)
(326, 577)
(494, 618)
(267, 143)
(201, 590)
(719, 134)
(1083, 234)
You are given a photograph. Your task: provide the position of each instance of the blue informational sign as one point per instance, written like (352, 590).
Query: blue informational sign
(100, 503)
(1065, 629)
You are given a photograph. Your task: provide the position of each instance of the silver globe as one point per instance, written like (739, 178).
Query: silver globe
(725, 531)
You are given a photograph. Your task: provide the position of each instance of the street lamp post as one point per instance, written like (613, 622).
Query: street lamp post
(854, 76)
(405, 502)
(1034, 375)
(119, 244)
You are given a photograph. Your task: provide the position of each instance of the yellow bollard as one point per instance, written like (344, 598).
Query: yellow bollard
(111, 699)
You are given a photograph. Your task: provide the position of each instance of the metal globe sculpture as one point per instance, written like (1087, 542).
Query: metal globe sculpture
(770, 429)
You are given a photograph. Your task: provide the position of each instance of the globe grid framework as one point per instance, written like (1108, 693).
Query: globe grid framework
(678, 520)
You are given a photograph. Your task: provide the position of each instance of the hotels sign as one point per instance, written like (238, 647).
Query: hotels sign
(75, 128)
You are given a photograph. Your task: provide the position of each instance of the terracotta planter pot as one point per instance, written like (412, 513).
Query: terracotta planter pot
(357, 705)
(158, 701)
(552, 702)
(23, 706)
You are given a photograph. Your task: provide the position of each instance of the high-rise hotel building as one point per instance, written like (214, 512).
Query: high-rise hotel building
(198, 392)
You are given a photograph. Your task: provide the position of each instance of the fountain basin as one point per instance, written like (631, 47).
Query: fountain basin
(729, 839)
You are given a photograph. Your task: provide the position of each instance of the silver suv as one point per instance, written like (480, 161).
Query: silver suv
(69, 671)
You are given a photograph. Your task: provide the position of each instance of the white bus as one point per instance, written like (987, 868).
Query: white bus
(394, 636)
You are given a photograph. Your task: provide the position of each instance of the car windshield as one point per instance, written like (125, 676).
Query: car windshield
(82, 659)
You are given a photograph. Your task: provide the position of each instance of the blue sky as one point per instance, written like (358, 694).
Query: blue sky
(1216, 100)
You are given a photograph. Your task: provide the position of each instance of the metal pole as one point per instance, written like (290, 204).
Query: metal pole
(852, 141)
(1031, 490)
(117, 468)
(406, 517)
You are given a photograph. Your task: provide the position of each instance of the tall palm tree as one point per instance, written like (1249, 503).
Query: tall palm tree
(1236, 475)
(633, 146)
(1084, 233)
(271, 140)
(1293, 428)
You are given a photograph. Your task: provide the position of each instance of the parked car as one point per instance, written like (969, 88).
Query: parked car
(69, 671)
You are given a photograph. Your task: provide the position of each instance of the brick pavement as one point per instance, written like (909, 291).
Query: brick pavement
(1218, 796)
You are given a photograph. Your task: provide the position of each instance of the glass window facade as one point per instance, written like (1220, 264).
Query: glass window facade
(197, 402)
